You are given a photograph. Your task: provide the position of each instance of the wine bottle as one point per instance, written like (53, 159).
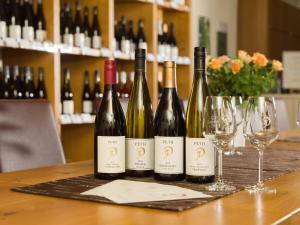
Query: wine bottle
(29, 83)
(110, 129)
(27, 27)
(122, 85)
(68, 26)
(173, 43)
(97, 93)
(3, 25)
(160, 81)
(78, 31)
(125, 43)
(62, 24)
(87, 28)
(67, 94)
(17, 91)
(14, 29)
(131, 37)
(161, 46)
(141, 39)
(130, 82)
(117, 39)
(96, 39)
(165, 41)
(40, 23)
(200, 155)
(8, 85)
(139, 121)
(169, 130)
(87, 103)
(41, 89)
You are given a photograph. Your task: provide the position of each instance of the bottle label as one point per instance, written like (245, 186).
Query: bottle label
(87, 106)
(111, 154)
(200, 157)
(79, 39)
(28, 33)
(3, 29)
(40, 35)
(174, 53)
(139, 154)
(68, 107)
(114, 44)
(15, 31)
(125, 46)
(132, 47)
(161, 50)
(143, 45)
(68, 39)
(169, 155)
(87, 42)
(167, 52)
(96, 42)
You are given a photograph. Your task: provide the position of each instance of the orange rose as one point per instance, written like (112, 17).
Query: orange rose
(260, 59)
(215, 64)
(244, 56)
(277, 65)
(235, 66)
(223, 59)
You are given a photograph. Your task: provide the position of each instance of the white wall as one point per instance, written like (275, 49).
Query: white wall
(218, 11)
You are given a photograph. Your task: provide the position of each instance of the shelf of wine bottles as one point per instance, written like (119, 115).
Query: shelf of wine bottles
(19, 83)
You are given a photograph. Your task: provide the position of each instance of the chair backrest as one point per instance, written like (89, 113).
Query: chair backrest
(282, 115)
(28, 135)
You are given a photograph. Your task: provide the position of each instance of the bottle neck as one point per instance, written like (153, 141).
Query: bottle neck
(169, 80)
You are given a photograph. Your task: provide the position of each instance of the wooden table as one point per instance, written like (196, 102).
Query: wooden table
(240, 208)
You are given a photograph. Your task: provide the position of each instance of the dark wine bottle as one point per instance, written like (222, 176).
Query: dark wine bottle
(8, 84)
(86, 28)
(200, 154)
(110, 129)
(62, 17)
(96, 31)
(68, 37)
(29, 83)
(78, 30)
(3, 18)
(27, 26)
(97, 93)
(166, 44)
(67, 94)
(41, 89)
(169, 130)
(17, 91)
(117, 39)
(125, 43)
(173, 43)
(141, 38)
(131, 37)
(139, 123)
(14, 29)
(87, 103)
(40, 23)
(161, 46)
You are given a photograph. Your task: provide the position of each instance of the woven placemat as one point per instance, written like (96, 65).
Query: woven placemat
(238, 170)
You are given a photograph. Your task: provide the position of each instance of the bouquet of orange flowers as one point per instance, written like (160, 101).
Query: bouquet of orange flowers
(244, 75)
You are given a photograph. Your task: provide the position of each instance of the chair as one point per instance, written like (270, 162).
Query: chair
(28, 136)
(282, 115)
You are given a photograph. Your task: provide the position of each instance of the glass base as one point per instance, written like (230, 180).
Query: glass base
(220, 186)
(232, 152)
(258, 188)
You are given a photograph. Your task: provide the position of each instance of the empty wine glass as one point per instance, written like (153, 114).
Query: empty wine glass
(237, 106)
(219, 126)
(261, 130)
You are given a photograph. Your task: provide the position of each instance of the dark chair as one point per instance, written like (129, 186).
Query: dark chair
(28, 135)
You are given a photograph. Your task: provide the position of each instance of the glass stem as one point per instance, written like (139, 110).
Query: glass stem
(220, 166)
(260, 168)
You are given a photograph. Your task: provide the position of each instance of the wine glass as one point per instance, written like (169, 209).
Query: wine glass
(219, 125)
(237, 106)
(261, 130)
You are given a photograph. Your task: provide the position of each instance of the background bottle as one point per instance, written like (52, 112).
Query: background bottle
(122, 84)
(169, 130)
(68, 37)
(29, 84)
(41, 89)
(165, 42)
(125, 42)
(86, 28)
(78, 31)
(139, 120)
(141, 38)
(96, 31)
(3, 25)
(27, 26)
(200, 155)
(67, 94)
(40, 23)
(8, 85)
(87, 103)
(14, 29)
(110, 129)
(17, 91)
(173, 43)
(97, 93)
(131, 37)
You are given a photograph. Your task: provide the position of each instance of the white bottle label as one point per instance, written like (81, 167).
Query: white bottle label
(79, 39)
(111, 154)
(161, 50)
(3, 29)
(174, 53)
(114, 44)
(125, 46)
(132, 47)
(96, 42)
(15, 31)
(167, 52)
(143, 45)
(139, 154)
(87, 106)
(28, 33)
(200, 157)
(40, 35)
(68, 39)
(68, 107)
(87, 41)
(169, 153)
